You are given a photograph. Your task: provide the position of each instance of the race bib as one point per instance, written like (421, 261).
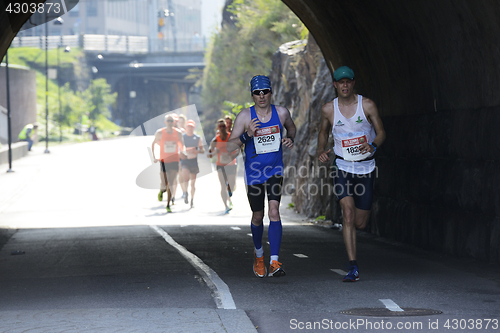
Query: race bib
(267, 139)
(351, 149)
(170, 147)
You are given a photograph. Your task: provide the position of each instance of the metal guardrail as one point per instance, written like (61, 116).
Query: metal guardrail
(112, 43)
(98, 43)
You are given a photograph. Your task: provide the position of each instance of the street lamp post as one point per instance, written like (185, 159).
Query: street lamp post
(58, 21)
(66, 49)
(9, 131)
(46, 84)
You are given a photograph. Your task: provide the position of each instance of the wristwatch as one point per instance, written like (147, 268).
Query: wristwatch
(373, 144)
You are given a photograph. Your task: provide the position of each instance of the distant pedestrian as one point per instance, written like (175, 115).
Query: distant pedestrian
(29, 133)
(229, 123)
(225, 164)
(190, 168)
(260, 128)
(170, 140)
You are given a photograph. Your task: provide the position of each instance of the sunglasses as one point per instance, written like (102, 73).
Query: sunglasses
(264, 91)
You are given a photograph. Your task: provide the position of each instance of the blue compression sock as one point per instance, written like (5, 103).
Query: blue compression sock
(257, 232)
(274, 234)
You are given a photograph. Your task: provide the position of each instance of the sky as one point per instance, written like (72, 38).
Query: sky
(211, 16)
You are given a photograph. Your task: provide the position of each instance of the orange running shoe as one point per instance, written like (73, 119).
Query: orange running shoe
(276, 270)
(259, 268)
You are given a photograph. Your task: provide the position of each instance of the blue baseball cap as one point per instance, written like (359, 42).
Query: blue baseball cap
(259, 82)
(343, 72)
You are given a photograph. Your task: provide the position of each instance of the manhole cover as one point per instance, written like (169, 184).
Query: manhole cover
(384, 312)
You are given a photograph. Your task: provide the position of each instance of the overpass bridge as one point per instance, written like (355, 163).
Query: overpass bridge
(147, 83)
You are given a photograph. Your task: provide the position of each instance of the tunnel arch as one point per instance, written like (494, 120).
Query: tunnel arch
(432, 67)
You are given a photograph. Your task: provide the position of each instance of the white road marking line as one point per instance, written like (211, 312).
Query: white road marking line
(236, 228)
(222, 295)
(249, 235)
(391, 306)
(300, 255)
(63, 3)
(339, 271)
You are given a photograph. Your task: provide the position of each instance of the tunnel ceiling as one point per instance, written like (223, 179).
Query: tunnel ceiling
(410, 57)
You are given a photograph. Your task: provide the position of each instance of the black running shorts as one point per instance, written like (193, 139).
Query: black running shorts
(256, 193)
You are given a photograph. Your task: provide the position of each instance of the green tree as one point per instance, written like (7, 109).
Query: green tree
(98, 99)
(240, 51)
(72, 107)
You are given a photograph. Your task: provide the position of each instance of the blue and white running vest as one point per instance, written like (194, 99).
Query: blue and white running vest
(263, 152)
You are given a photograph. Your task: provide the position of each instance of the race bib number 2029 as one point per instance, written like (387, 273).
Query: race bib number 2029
(267, 139)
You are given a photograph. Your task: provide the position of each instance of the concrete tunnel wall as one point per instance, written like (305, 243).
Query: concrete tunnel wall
(432, 67)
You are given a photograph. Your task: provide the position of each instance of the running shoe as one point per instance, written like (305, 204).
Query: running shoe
(173, 199)
(259, 268)
(160, 196)
(276, 270)
(227, 210)
(192, 205)
(352, 276)
(186, 200)
(229, 192)
(230, 205)
(169, 210)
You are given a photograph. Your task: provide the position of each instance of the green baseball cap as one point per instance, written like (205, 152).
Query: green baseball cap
(343, 72)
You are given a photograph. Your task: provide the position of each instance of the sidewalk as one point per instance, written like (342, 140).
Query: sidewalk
(170, 320)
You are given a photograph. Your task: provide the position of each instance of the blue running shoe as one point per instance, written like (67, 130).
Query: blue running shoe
(352, 276)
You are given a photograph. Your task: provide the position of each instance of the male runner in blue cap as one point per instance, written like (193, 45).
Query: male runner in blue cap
(260, 128)
(357, 132)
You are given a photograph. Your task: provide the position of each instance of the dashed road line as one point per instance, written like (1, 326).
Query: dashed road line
(222, 295)
(391, 305)
(300, 255)
(339, 271)
(236, 228)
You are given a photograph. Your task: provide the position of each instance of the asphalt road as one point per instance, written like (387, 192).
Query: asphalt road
(84, 249)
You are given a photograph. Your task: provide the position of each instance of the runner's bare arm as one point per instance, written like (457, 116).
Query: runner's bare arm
(242, 124)
(211, 148)
(373, 117)
(182, 153)
(290, 129)
(324, 132)
(201, 150)
(155, 141)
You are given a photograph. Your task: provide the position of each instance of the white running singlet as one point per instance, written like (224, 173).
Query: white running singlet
(349, 134)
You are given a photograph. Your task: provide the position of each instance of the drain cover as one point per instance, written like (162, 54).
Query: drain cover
(384, 312)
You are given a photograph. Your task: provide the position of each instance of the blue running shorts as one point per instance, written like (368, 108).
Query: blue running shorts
(360, 187)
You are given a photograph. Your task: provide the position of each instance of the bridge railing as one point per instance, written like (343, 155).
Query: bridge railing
(113, 43)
